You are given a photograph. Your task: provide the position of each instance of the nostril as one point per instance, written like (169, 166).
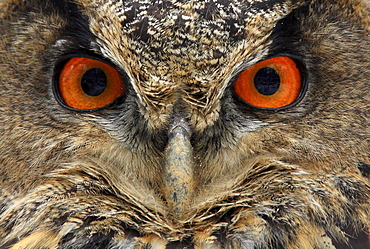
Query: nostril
(178, 124)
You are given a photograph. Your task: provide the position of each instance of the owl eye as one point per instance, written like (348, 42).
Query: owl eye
(87, 84)
(272, 83)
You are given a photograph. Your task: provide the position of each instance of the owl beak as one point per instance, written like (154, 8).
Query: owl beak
(179, 160)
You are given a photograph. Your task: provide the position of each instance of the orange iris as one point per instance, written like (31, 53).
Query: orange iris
(272, 83)
(86, 83)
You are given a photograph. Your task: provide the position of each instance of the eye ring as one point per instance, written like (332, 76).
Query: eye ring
(286, 81)
(85, 84)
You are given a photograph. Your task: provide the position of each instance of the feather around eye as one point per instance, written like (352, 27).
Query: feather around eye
(87, 84)
(273, 83)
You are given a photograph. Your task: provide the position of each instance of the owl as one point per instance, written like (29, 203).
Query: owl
(184, 124)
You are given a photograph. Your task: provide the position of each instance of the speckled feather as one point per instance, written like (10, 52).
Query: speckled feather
(183, 47)
(296, 178)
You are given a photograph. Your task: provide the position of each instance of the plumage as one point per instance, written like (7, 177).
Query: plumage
(180, 160)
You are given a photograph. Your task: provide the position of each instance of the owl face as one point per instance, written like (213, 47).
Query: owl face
(184, 124)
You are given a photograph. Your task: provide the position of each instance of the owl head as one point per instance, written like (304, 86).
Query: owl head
(184, 124)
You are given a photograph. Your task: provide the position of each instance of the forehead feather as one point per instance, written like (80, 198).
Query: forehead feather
(189, 23)
(168, 47)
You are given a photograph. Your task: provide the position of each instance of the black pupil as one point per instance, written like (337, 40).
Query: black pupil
(267, 81)
(94, 82)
